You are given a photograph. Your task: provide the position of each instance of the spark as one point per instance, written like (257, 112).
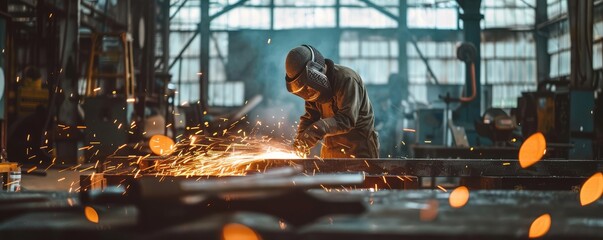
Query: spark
(430, 211)
(592, 189)
(540, 226)
(532, 150)
(459, 197)
(233, 231)
(225, 156)
(32, 169)
(91, 214)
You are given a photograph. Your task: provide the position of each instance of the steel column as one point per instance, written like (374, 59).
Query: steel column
(402, 54)
(468, 112)
(204, 31)
(543, 60)
(581, 34)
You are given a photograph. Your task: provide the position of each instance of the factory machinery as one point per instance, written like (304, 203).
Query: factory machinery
(224, 187)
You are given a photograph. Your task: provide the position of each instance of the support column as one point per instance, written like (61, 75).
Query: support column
(165, 35)
(582, 97)
(468, 112)
(204, 54)
(402, 54)
(543, 60)
(66, 150)
(580, 14)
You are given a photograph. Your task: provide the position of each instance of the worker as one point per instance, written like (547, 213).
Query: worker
(338, 109)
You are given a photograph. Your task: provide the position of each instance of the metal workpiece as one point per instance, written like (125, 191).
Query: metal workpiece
(273, 193)
(410, 166)
(384, 173)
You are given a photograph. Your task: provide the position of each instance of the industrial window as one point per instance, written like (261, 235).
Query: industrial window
(373, 57)
(556, 8)
(187, 17)
(441, 58)
(304, 17)
(559, 42)
(508, 66)
(287, 15)
(356, 14)
(508, 14)
(432, 14)
(185, 72)
(222, 90)
(245, 17)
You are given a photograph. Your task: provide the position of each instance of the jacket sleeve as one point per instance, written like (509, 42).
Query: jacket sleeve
(349, 99)
(311, 116)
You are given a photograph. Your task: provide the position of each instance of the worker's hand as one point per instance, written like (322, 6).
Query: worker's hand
(301, 149)
(307, 139)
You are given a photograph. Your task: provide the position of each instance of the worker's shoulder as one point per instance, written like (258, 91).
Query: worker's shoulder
(346, 73)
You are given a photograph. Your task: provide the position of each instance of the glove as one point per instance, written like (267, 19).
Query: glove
(301, 149)
(307, 139)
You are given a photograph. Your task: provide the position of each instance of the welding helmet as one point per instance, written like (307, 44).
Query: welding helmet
(306, 76)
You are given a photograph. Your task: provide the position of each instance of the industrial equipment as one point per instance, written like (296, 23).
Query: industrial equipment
(109, 97)
(496, 125)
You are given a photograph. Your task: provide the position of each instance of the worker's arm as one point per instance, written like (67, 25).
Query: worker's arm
(303, 142)
(312, 115)
(349, 99)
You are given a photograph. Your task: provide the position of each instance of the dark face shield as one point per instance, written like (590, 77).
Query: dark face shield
(311, 84)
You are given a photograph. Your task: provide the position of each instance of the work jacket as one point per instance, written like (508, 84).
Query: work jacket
(347, 120)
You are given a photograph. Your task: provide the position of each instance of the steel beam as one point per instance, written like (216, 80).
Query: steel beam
(178, 9)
